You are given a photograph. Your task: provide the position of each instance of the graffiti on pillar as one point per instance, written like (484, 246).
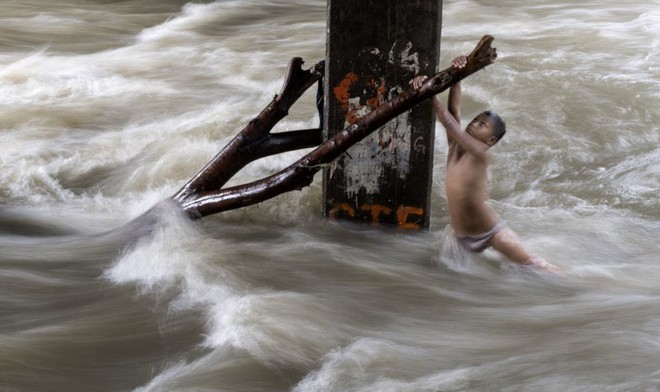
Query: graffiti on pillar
(357, 98)
(407, 217)
(377, 180)
(389, 147)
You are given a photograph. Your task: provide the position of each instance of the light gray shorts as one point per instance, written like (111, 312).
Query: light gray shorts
(479, 242)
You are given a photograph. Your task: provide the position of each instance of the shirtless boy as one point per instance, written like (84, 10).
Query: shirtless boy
(476, 225)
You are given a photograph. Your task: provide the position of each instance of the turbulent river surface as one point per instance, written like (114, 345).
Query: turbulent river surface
(109, 107)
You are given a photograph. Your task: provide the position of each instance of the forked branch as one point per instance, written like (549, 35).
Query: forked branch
(255, 140)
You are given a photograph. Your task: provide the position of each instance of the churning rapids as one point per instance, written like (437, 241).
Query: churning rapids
(109, 107)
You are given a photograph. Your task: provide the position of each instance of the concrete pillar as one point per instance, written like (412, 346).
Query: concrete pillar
(374, 47)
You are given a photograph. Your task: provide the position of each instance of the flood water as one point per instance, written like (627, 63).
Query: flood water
(107, 108)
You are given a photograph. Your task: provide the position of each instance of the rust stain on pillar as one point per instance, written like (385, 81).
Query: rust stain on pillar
(374, 47)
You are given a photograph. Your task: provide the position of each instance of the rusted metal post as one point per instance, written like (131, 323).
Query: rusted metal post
(374, 47)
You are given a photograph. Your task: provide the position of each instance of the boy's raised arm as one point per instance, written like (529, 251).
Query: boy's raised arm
(438, 107)
(451, 114)
(454, 99)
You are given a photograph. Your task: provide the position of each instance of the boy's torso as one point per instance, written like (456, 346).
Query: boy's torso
(466, 189)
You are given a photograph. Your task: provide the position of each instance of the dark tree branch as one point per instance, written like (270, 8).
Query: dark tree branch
(201, 197)
(237, 153)
(277, 143)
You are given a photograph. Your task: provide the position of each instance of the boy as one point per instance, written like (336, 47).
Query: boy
(476, 225)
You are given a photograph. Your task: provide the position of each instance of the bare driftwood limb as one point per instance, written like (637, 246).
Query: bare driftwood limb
(255, 140)
(204, 194)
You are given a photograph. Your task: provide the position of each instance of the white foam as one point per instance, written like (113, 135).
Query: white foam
(280, 329)
(192, 15)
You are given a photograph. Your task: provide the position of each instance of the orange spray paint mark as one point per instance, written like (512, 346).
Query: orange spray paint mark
(342, 90)
(373, 89)
(376, 210)
(345, 207)
(403, 214)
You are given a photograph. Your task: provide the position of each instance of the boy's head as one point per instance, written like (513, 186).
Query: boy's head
(487, 127)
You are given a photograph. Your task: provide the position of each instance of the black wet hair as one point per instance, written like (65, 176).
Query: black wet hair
(500, 125)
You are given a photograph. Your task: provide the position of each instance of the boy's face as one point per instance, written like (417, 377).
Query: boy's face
(482, 128)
